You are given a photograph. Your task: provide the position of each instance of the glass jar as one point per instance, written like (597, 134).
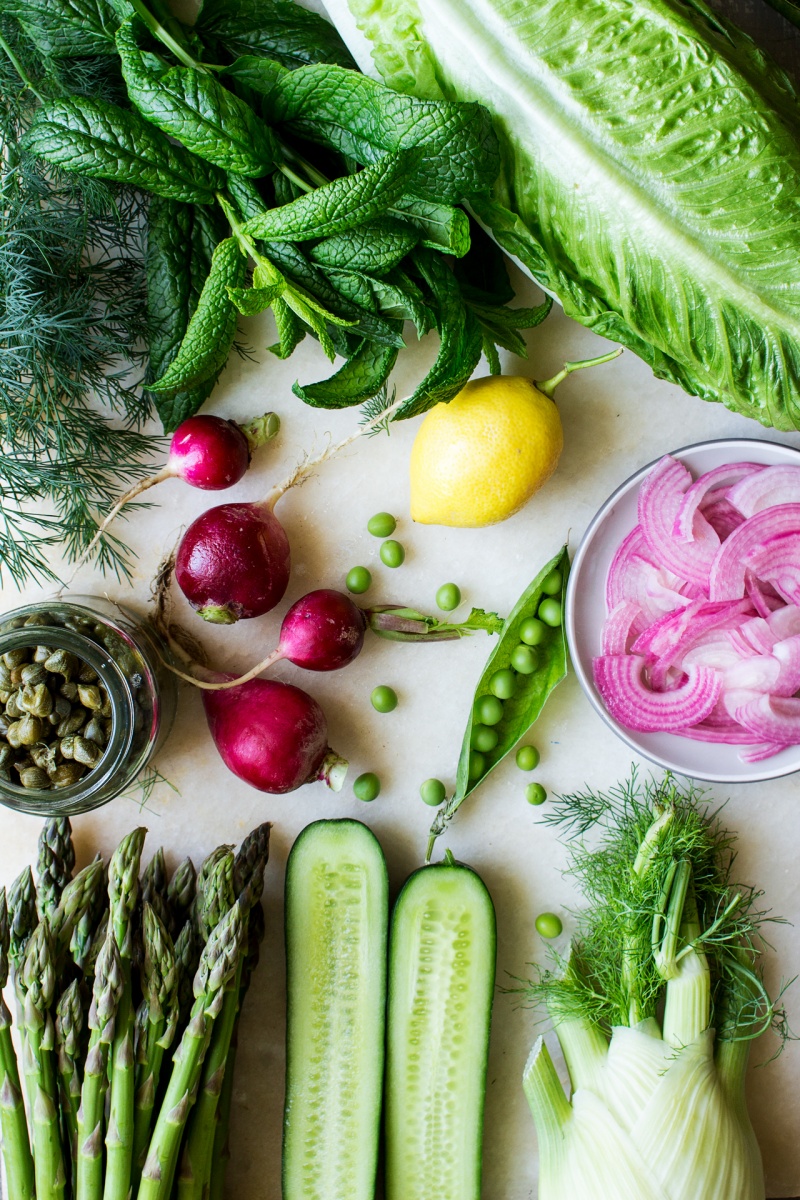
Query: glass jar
(127, 655)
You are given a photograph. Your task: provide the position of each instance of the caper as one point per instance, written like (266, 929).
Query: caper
(61, 708)
(4, 697)
(95, 731)
(42, 653)
(12, 735)
(86, 674)
(6, 754)
(4, 724)
(67, 746)
(42, 618)
(34, 777)
(69, 691)
(13, 707)
(15, 658)
(61, 662)
(30, 729)
(16, 675)
(72, 723)
(90, 697)
(86, 752)
(43, 756)
(5, 676)
(36, 700)
(106, 710)
(32, 673)
(66, 774)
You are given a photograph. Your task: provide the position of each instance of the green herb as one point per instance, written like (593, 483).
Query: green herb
(514, 716)
(398, 624)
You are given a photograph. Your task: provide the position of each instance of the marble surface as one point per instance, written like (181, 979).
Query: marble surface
(615, 418)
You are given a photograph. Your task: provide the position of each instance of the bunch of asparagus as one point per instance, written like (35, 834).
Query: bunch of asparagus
(127, 993)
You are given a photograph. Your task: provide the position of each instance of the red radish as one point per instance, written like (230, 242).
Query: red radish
(322, 631)
(233, 561)
(206, 452)
(272, 735)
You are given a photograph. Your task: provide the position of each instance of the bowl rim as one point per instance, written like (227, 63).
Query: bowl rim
(586, 682)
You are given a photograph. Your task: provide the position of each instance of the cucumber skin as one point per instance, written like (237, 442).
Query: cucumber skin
(398, 1187)
(330, 834)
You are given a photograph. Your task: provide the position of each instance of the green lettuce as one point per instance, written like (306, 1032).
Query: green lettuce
(651, 172)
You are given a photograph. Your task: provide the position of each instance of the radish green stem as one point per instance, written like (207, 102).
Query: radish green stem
(548, 386)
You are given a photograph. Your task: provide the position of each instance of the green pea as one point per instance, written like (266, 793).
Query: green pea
(503, 684)
(549, 925)
(382, 525)
(532, 632)
(448, 597)
(527, 758)
(358, 580)
(484, 738)
(551, 585)
(550, 613)
(535, 793)
(384, 699)
(433, 792)
(489, 710)
(392, 554)
(476, 764)
(525, 659)
(367, 786)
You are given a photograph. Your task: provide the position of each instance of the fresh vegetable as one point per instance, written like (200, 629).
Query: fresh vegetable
(272, 735)
(367, 787)
(532, 632)
(787, 8)
(702, 637)
(74, 970)
(382, 525)
(480, 457)
(535, 794)
(549, 925)
(337, 912)
(384, 699)
(399, 624)
(392, 553)
(441, 984)
(503, 684)
(510, 718)
(448, 597)
(433, 792)
(613, 161)
(527, 758)
(655, 1006)
(359, 580)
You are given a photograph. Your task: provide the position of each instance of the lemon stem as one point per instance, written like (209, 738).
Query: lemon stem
(550, 385)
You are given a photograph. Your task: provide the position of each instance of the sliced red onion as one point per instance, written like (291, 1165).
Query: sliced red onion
(631, 547)
(784, 622)
(787, 654)
(620, 681)
(714, 651)
(757, 635)
(758, 674)
(762, 595)
(771, 719)
(770, 488)
(660, 497)
(723, 517)
(623, 625)
(777, 559)
(727, 574)
(759, 753)
(735, 735)
(719, 477)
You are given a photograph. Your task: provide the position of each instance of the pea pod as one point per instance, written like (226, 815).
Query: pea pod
(520, 710)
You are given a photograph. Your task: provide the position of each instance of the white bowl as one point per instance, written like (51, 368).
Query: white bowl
(585, 613)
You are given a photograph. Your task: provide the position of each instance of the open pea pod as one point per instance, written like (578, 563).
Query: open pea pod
(521, 709)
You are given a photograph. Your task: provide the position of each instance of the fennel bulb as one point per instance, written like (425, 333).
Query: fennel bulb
(651, 172)
(654, 1010)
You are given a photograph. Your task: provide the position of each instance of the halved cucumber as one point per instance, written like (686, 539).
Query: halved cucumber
(441, 982)
(337, 914)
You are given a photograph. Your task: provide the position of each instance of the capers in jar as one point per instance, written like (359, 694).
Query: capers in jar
(66, 774)
(34, 777)
(36, 699)
(61, 662)
(90, 696)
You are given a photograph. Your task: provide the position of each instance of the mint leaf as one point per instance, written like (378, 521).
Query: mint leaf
(441, 226)
(361, 377)
(66, 28)
(277, 29)
(376, 247)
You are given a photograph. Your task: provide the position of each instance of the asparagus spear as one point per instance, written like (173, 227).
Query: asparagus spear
(69, 1027)
(38, 980)
(22, 916)
(157, 1022)
(215, 894)
(13, 1124)
(80, 945)
(218, 963)
(187, 960)
(80, 897)
(55, 864)
(180, 894)
(123, 895)
(108, 986)
(154, 885)
(248, 880)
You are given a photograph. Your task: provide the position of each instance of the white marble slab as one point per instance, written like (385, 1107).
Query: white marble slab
(615, 419)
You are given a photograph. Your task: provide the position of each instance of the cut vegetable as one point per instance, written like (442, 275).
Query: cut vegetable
(441, 980)
(337, 911)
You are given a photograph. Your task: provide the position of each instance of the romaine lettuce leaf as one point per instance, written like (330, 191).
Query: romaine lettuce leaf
(651, 172)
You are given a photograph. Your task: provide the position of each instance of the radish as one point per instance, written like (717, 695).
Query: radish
(233, 561)
(322, 631)
(272, 735)
(206, 452)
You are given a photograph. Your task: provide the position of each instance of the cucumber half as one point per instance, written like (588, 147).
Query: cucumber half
(337, 915)
(441, 984)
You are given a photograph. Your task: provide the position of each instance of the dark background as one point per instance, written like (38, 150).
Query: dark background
(770, 30)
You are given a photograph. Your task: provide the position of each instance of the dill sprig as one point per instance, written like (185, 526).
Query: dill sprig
(72, 329)
(621, 959)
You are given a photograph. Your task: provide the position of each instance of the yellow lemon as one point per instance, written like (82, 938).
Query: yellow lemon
(479, 458)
